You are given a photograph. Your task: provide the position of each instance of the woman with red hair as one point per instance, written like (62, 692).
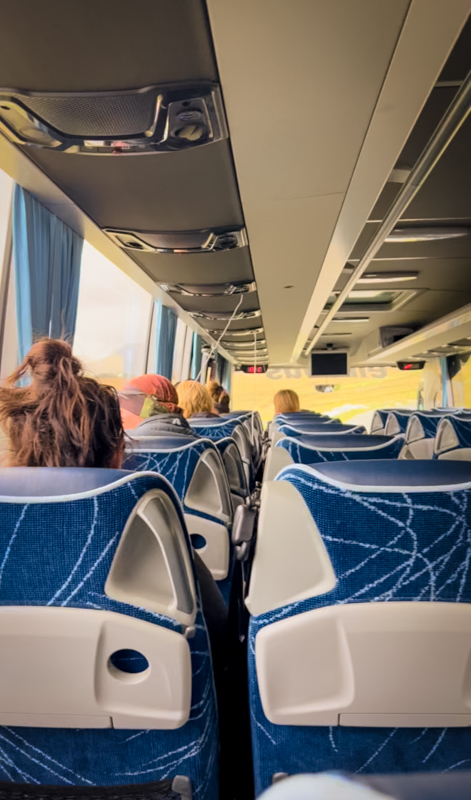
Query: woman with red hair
(149, 407)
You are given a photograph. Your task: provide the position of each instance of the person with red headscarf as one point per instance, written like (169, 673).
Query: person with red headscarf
(149, 407)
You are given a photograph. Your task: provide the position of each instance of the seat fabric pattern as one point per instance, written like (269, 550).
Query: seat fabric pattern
(303, 453)
(462, 429)
(216, 431)
(176, 465)
(428, 423)
(402, 420)
(379, 419)
(59, 554)
(321, 429)
(383, 547)
(234, 470)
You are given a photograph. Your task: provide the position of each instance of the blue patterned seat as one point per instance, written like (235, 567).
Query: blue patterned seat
(319, 429)
(195, 469)
(291, 416)
(60, 537)
(378, 422)
(453, 438)
(387, 533)
(420, 435)
(234, 470)
(397, 421)
(343, 447)
(254, 428)
(216, 429)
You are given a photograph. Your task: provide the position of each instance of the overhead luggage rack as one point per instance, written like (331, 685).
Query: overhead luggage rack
(147, 120)
(180, 242)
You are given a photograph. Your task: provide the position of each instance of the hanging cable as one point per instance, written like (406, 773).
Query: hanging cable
(216, 345)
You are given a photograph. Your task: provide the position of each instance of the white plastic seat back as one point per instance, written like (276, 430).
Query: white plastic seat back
(65, 667)
(453, 440)
(355, 663)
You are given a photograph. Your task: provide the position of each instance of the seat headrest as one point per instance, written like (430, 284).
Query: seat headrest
(323, 429)
(54, 481)
(422, 426)
(235, 414)
(397, 421)
(453, 433)
(144, 443)
(401, 474)
(211, 422)
(341, 441)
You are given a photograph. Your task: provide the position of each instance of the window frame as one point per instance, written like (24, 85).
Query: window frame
(5, 277)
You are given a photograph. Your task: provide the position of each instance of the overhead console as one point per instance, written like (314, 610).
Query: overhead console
(140, 93)
(153, 119)
(180, 242)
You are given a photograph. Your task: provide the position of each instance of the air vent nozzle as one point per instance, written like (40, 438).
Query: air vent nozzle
(180, 242)
(149, 120)
(209, 290)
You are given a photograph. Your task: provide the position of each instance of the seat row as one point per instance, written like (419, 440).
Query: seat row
(360, 602)
(359, 637)
(404, 434)
(212, 476)
(106, 669)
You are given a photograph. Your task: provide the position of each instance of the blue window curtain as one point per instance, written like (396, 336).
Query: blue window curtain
(444, 371)
(196, 355)
(165, 330)
(217, 367)
(47, 256)
(226, 374)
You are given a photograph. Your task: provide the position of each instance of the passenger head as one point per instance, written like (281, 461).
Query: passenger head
(145, 397)
(194, 398)
(62, 419)
(219, 397)
(286, 401)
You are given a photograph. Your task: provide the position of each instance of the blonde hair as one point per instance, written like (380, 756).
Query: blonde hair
(286, 401)
(193, 397)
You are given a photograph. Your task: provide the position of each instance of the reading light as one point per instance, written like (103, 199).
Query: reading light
(425, 234)
(388, 277)
(347, 320)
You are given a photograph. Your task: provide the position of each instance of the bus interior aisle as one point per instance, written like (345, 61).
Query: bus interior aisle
(235, 400)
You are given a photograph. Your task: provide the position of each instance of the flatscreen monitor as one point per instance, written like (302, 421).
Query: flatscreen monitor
(329, 363)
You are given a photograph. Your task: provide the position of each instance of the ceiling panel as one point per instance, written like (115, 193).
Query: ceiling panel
(178, 191)
(446, 248)
(300, 83)
(249, 302)
(457, 66)
(96, 45)
(433, 273)
(445, 194)
(219, 267)
(236, 325)
(432, 113)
